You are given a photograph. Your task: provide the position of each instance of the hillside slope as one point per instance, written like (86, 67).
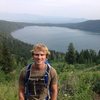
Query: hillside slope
(15, 46)
(90, 25)
(8, 27)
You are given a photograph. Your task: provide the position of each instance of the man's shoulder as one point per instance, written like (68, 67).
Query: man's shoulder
(53, 75)
(53, 71)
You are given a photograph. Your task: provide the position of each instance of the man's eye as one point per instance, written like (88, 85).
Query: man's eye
(42, 54)
(38, 54)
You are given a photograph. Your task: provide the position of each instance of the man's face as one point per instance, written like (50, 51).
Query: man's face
(39, 57)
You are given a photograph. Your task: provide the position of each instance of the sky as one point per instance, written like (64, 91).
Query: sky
(89, 9)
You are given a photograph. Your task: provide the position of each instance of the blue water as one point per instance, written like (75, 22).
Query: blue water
(58, 38)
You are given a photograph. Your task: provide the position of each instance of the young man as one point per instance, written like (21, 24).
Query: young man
(42, 82)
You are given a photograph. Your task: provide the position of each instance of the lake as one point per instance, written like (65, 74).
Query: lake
(58, 38)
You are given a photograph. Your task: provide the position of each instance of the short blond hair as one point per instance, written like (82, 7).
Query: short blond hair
(40, 47)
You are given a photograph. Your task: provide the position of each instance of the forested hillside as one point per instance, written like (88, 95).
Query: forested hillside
(90, 25)
(8, 27)
(14, 46)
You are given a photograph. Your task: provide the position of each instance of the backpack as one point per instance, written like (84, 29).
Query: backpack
(27, 77)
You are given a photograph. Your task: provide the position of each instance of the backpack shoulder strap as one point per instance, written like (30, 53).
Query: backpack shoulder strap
(28, 67)
(27, 72)
(48, 67)
(47, 73)
(47, 79)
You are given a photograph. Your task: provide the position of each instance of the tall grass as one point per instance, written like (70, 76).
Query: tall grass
(9, 85)
(8, 91)
(74, 82)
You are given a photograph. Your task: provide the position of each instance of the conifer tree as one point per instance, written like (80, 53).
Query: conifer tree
(71, 54)
(98, 58)
(81, 57)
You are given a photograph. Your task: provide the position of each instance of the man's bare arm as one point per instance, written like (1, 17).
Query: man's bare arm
(54, 92)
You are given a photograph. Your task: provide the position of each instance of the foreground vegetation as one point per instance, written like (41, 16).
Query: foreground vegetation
(76, 82)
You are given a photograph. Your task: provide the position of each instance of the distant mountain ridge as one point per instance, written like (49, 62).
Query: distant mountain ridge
(90, 25)
(38, 19)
